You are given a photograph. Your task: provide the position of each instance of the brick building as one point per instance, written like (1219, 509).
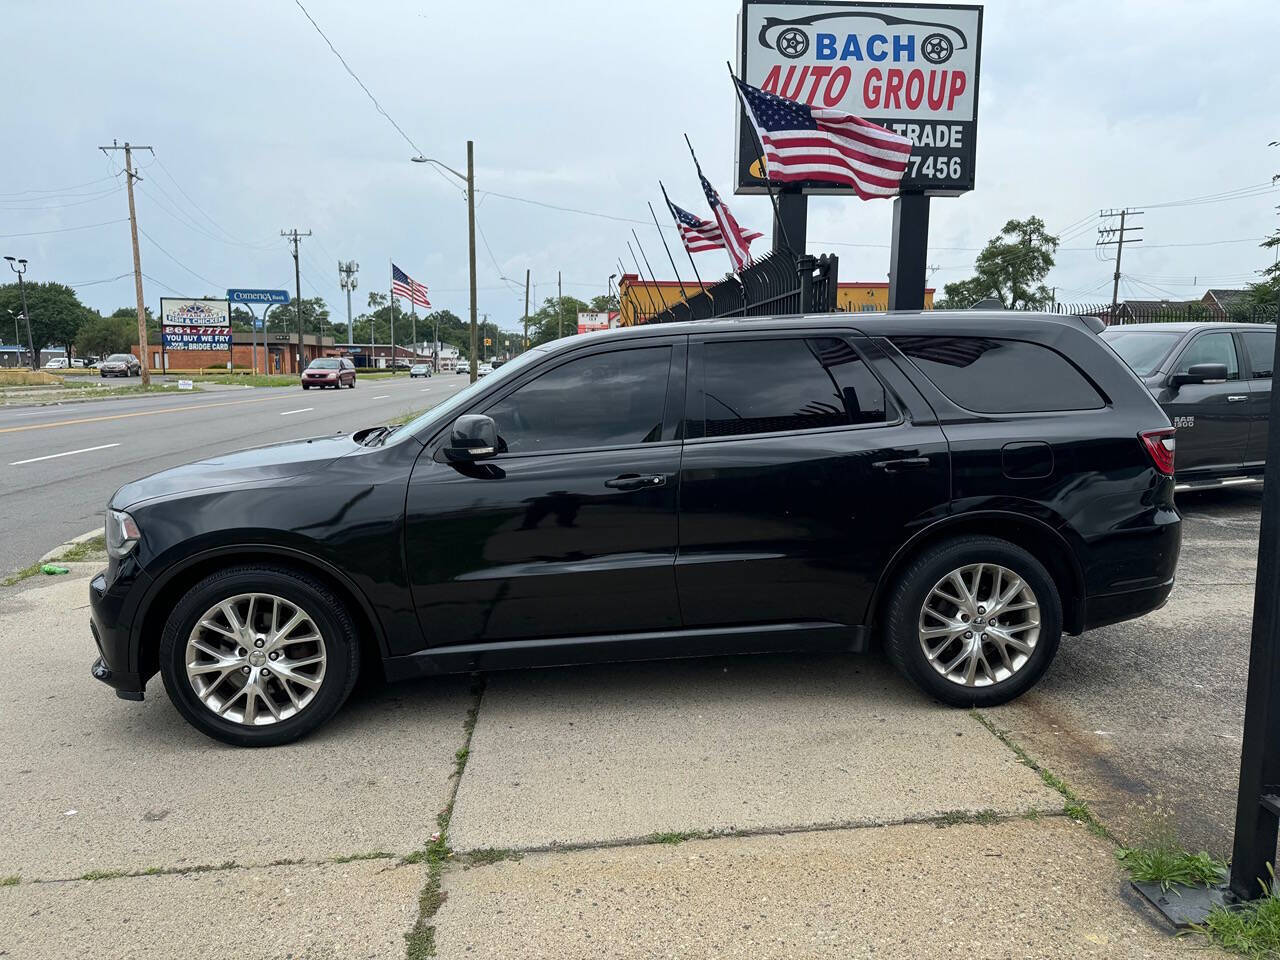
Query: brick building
(278, 354)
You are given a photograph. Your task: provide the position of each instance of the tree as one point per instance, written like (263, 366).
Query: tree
(315, 318)
(1265, 294)
(605, 303)
(55, 312)
(1010, 268)
(558, 316)
(100, 336)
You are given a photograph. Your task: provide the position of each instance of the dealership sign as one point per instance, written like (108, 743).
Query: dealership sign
(590, 322)
(195, 324)
(911, 68)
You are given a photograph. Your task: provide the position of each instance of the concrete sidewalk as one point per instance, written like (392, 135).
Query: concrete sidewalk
(753, 807)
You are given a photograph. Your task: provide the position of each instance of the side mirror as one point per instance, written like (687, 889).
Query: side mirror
(1201, 373)
(472, 437)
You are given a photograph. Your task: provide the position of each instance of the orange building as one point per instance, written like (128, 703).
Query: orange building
(637, 294)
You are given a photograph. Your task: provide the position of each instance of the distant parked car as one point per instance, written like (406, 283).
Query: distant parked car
(77, 362)
(329, 372)
(462, 368)
(420, 370)
(57, 363)
(1213, 380)
(120, 365)
(484, 369)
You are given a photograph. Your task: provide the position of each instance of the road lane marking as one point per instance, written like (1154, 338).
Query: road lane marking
(54, 456)
(137, 413)
(289, 413)
(381, 396)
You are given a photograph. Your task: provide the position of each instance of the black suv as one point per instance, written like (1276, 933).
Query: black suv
(1214, 382)
(966, 486)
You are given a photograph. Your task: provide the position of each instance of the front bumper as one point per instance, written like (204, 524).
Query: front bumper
(113, 602)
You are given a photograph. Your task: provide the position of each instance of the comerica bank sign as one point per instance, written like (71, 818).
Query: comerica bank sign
(911, 68)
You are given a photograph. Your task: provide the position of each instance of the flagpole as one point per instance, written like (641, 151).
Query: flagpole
(662, 300)
(746, 296)
(393, 319)
(676, 220)
(670, 259)
(764, 167)
(648, 295)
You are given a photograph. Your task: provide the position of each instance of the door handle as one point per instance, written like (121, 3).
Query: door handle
(897, 466)
(633, 481)
(1236, 398)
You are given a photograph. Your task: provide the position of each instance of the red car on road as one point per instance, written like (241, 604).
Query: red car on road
(329, 372)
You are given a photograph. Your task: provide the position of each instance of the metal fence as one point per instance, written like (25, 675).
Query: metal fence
(777, 283)
(1160, 311)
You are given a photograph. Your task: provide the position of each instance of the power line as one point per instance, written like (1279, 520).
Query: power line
(347, 67)
(155, 243)
(74, 186)
(90, 283)
(41, 233)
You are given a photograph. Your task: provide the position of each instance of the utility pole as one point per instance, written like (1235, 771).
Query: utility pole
(347, 281)
(471, 249)
(295, 237)
(559, 307)
(129, 177)
(1118, 236)
(525, 345)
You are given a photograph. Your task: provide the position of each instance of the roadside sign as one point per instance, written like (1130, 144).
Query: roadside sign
(910, 67)
(185, 385)
(195, 324)
(589, 322)
(239, 295)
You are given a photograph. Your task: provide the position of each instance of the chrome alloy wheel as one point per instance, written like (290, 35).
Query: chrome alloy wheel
(255, 659)
(979, 625)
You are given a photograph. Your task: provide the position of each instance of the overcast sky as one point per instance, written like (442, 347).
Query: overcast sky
(257, 128)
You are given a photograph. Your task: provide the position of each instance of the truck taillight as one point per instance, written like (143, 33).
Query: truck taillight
(1160, 444)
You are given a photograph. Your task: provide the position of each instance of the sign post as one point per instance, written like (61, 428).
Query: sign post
(270, 298)
(912, 68)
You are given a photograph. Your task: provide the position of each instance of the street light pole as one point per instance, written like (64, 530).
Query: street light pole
(470, 180)
(20, 267)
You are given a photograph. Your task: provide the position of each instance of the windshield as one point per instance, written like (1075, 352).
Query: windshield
(323, 365)
(119, 358)
(464, 396)
(1142, 350)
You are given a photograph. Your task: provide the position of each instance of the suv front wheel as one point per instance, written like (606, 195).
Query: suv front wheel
(974, 621)
(258, 655)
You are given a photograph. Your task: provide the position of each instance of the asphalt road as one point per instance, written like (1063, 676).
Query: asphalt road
(54, 484)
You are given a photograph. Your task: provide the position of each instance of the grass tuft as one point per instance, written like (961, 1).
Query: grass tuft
(951, 818)
(371, 855)
(482, 858)
(1251, 929)
(672, 837)
(10, 881)
(1168, 864)
(92, 549)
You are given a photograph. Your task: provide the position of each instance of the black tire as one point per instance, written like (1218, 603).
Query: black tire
(913, 587)
(306, 386)
(330, 617)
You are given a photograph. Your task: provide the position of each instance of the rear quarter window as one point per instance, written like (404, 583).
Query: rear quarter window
(990, 375)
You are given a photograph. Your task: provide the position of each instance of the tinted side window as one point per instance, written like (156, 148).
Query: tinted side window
(1001, 376)
(1260, 345)
(772, 385)
(604, 400)
(1211, 348)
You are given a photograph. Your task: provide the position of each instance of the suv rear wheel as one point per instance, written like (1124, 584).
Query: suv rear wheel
(974, 621)
(258, 656)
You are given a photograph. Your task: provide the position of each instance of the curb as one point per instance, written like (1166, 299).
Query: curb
(63, 547)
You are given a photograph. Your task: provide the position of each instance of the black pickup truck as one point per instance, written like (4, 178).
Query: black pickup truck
(1214, 382)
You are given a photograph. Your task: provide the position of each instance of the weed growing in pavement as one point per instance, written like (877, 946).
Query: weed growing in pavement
(93, 549)
(10, 881)
(482, 858)
(1251, 929)
(953, 817)
(1075, 808)
(371, 855)
(420, 941)
(103, 875)
(673, 837)
(1167, 865)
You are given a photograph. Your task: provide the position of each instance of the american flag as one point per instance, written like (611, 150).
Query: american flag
(700, 235)
(815, 143)
(733, 238)
(403, 285)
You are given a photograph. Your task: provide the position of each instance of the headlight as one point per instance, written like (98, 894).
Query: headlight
(122, 533)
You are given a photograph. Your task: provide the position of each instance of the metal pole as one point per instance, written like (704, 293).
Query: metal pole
(526, 307)
(676, 220)
(908, 258)
(670, 259)
(31, 345)
(657, 291)
(559, 307)
(391, 291)
(471, 249)
(640, 273)
(1258, 801)
(764, 167)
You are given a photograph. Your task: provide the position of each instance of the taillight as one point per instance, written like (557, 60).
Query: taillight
(1160, 444)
